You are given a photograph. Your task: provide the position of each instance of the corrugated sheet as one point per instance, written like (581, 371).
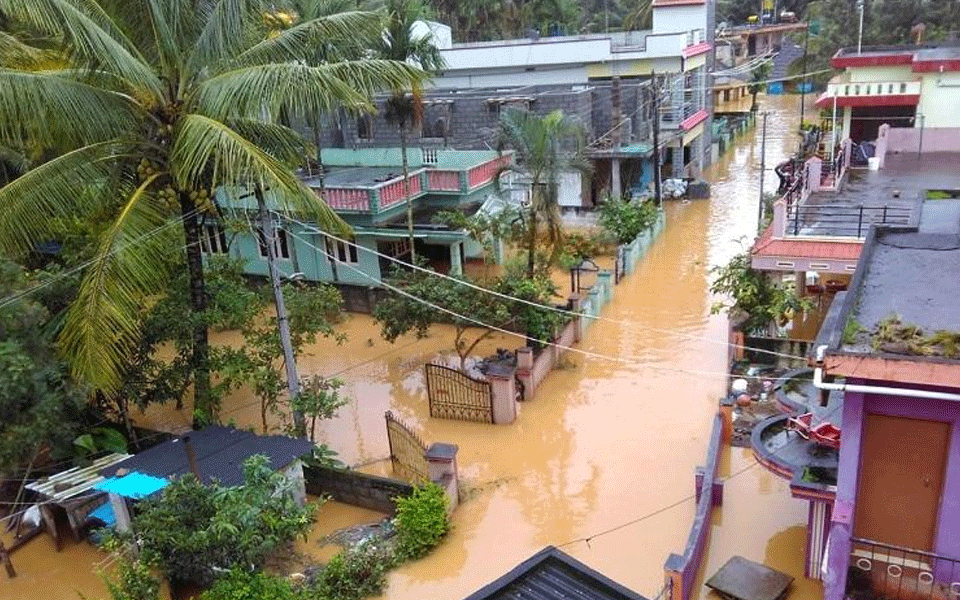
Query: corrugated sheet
(220, 452)
(75, 481)
(553, 575)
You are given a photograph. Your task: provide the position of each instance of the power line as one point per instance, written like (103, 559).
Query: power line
(537, 305)
(630, 360)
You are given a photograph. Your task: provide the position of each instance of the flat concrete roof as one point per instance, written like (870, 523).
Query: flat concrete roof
(349, 177)
(915, 276)
(897, 185)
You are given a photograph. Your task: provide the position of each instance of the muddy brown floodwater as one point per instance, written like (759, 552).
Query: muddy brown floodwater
(605, 441)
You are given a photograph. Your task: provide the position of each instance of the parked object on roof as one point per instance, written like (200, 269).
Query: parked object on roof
(553, 575)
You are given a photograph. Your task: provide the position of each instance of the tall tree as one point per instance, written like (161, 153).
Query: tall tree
(404, 108)
(160, 103)
(758, 81)
(545, 146)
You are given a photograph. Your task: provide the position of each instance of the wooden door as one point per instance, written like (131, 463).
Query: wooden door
(902, 465)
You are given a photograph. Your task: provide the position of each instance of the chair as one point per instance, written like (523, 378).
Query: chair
(801, 424)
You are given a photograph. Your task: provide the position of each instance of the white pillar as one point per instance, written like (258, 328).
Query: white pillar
(456, 261)
(615, 186)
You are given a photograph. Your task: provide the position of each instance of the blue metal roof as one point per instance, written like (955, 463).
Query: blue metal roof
(133, 485)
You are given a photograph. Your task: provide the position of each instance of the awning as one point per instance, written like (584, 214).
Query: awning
(826, 101)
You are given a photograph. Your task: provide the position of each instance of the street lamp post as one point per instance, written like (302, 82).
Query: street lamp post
(860, 33)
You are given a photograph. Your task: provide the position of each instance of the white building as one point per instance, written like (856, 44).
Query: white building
(916, 89)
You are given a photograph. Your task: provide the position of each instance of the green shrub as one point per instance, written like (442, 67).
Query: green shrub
(132, 581)
(241, 585)
(353, 574)
(421, 521)
(625, 219)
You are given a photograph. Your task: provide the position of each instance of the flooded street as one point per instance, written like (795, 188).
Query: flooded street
(601, 462)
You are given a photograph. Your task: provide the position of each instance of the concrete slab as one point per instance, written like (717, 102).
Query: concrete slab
(743, 579)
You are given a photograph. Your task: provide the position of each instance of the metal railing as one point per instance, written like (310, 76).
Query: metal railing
(896, 573)
(841, 220)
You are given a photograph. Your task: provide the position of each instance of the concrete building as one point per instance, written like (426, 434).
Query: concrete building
(915, 89)
(895, 520)
(367, 189)
(603, 79)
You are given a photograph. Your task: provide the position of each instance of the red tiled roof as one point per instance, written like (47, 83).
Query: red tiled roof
(767, 245)
(696, 49)
(694, 120)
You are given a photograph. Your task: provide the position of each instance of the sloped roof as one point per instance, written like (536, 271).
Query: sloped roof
(220, 452)
(767, 245)
(553, 575)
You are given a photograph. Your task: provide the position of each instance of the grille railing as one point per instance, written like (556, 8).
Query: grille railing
(839, 220)
(889, 572)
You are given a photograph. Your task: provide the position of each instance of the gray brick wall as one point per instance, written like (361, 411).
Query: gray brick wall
(356, 489)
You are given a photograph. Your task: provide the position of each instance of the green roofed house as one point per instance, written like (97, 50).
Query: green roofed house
(366, 188)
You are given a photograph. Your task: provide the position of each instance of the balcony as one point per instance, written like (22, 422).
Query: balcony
(881, 571)
(842, 220)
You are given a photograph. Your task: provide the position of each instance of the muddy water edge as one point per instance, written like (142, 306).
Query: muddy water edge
(611, 437)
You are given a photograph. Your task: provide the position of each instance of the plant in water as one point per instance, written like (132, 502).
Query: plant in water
(243, 585)
(353, 574)
(627, 219)
(132, 580)
(421, 521)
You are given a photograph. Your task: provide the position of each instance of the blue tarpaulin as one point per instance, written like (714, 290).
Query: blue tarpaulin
(133, 485)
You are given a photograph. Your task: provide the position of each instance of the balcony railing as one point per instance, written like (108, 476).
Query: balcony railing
(443, 181)
(884, 571)
(872, 88)
(352, 199)
(485, 173)
(842, 220)
(394, 191)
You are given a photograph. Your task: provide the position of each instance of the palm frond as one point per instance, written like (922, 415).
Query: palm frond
(300, 89)
(228, 29)
(203, 146)
(306, 41)
(88, 42)
(281, 142)
(15, 54)
(102, 326)
(32, 202)
(57, 111)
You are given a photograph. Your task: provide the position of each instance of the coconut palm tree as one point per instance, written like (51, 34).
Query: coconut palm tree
(545, 146)
(405, 108)
(158, 104)
(758, 81)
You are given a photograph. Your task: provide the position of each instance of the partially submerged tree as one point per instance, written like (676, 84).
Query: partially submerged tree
(161, 103)
(482, 313)
(758, 82)
(545, 146)
(754, 294)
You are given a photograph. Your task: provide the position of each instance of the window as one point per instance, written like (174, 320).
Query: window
(903, 88)
(436, 120)
(365, 127)
(344, 252)
(213, 240)
(395, 249)
(281, 249)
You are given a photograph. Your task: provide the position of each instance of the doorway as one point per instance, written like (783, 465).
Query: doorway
(902, 466)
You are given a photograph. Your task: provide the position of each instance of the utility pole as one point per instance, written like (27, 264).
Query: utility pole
(860, 33)
(763, 166)
(656, 139)
(283, 322)
(803, 82)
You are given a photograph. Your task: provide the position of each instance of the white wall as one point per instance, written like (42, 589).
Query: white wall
(571, 189)
(679, 18)
(882, 74)
(940, 100)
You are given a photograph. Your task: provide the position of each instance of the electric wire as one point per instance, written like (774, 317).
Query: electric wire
(563, 311)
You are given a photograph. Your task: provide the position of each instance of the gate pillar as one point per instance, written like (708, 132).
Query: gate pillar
(504, 389)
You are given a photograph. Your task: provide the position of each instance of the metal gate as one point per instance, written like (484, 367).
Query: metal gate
(407, 452)
(455, 395)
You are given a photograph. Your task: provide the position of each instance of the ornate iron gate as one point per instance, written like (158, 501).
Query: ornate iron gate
(407, 452)
(455, 395)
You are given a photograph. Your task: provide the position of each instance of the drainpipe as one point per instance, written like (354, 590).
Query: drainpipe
(819, 383)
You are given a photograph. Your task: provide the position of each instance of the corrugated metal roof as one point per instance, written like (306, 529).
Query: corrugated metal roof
(220, 452)
(553, 575)
(75, 481)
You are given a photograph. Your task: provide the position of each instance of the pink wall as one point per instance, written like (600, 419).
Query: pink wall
(907, 139)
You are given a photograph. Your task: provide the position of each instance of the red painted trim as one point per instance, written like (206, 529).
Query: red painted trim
(694, 120)
(871, 60)
(696, 49)
(932, 66)
(883, 100)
